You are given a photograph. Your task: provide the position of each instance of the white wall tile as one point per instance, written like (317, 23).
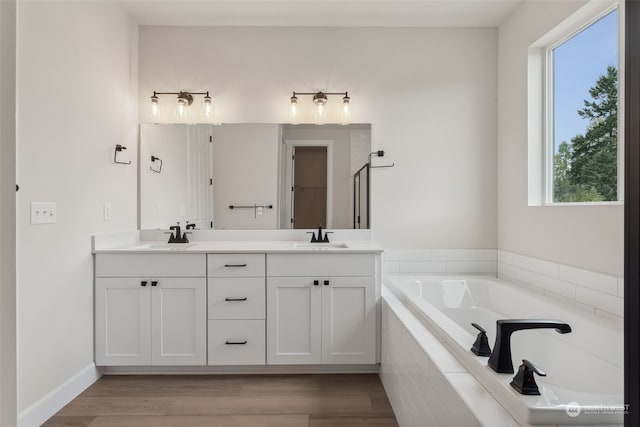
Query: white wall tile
(513, 272)
(439, 354)
(390, 267)
(422, 267)
(609, 303)
(565, 289)
(589, 279)
(470, 267)
(453, 254)
(487, 255)
(407, 255)
(508, 258)
(539, 266)
(481, 401)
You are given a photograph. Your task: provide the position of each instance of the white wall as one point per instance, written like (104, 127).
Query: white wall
(430, 95)
(76, 86)
(589, 237)
(8, 213)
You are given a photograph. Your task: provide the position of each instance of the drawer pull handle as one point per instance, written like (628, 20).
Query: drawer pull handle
(235, 265)
(235, 342)
(316, 282)
(143, 283)
(236, 299)
(326, 283)
(154, 283)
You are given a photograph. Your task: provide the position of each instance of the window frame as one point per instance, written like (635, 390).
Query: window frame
(541, 53)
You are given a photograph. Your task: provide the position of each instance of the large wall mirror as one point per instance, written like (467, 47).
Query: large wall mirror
(254, 176)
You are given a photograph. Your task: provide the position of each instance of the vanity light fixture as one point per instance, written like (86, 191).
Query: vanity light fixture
(320, 101)
(184, 100)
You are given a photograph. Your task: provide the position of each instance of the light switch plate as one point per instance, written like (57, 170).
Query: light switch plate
(43, 213)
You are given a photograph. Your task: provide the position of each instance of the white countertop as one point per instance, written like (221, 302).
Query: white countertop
(276, 246)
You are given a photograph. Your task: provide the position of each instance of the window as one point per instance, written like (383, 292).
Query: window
(581, 126)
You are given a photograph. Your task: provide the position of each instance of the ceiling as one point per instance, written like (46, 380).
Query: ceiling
(322, 13)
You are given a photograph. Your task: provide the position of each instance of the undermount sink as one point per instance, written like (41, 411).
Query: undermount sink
(168, 246)
(320, 246)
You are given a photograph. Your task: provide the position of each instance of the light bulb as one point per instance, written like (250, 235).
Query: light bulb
(320, 99)
(155, 107)
(208, 107)
(320, 113)
(345, 111)
(294, 112)
(182, 108)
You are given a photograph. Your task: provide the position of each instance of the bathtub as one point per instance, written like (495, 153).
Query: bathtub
(584, 382)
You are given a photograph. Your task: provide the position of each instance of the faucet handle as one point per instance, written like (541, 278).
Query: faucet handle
(313, 236)
(326, 236)
(524, 381)
(480, 328)
(534, 368)
(481, 345)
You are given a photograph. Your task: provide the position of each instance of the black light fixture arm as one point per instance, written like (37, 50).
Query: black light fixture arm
(316, 93)
(181, 92)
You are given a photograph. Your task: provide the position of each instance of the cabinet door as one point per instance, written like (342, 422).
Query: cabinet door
(179, 318)
(293, 320)
(348, 320)
(122, 324)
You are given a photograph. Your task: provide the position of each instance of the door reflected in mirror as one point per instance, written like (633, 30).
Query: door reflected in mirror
(254, 176)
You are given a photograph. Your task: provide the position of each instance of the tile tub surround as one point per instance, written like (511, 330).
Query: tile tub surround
(597, 293)
(420, 261)
(425, 383)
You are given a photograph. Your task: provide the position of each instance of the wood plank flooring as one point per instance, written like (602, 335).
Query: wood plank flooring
(338, 400)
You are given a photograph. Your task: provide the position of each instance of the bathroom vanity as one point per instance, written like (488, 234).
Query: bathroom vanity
(237, 303)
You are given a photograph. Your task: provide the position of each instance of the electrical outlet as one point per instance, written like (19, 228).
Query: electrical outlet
(43, 213)
(107, 211)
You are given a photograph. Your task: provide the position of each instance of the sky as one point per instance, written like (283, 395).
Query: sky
(577, 65)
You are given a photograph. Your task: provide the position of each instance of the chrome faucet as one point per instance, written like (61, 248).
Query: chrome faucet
(500, 359)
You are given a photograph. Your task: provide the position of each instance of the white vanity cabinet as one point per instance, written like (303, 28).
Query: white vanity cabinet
(321, 309)
(236, 309)
(150, 309)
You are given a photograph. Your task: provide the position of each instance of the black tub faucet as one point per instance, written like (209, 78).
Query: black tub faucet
(500, 359)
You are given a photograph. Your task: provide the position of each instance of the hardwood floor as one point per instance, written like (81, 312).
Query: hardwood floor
(230, 401)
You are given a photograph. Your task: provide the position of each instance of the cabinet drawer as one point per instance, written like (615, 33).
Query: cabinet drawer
(235, 265)
(150, 265)
(236, 342)
(320, 265)
(236, 298)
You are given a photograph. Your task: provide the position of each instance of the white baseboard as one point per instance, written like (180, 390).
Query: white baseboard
(249, 370)
(53, 401)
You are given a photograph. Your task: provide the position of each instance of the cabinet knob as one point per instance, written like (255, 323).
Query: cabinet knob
(326, 283)
(316, 282)
(154, 283)
(143, 283)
